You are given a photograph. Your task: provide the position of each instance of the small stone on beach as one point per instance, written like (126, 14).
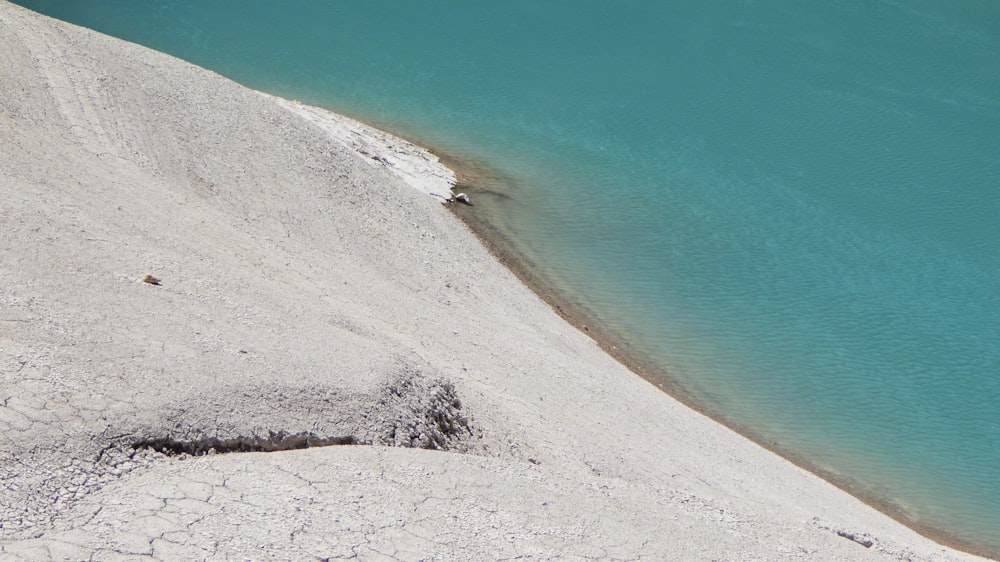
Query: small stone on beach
(461, 198)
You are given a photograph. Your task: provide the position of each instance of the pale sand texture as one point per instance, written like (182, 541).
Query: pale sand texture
(307, 289)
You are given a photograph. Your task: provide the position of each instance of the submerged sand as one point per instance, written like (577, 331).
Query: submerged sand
(311, 295)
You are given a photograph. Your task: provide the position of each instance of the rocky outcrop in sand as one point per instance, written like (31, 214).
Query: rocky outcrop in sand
(308, 297)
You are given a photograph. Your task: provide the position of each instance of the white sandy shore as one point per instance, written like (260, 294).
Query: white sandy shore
(307, 290)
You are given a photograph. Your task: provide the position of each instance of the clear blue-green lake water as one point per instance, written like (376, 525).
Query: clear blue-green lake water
(792, 207)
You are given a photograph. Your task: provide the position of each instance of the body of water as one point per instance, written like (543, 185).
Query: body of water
(792, 207)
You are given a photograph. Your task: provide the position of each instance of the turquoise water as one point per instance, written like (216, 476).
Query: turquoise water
(793, 206)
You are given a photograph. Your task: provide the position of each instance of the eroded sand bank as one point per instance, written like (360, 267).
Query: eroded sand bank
(310, 295)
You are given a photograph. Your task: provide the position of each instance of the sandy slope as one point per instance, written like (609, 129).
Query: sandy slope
(308, 291)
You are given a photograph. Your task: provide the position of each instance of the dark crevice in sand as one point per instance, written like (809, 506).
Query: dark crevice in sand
(409, 412)
(274, 442)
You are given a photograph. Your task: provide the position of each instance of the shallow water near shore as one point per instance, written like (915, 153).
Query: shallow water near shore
(791, 208)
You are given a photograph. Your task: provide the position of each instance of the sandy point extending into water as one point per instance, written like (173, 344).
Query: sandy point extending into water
(309, 296)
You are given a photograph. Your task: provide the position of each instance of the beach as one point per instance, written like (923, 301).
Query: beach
(312, 290)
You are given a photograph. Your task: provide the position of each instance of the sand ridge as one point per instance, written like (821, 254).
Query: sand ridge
(308, 293)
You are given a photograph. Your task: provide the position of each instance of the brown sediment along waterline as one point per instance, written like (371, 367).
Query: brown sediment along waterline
(483, 182)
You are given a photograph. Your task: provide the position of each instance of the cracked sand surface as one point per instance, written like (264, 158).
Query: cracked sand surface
(308, 289)
(377, 503)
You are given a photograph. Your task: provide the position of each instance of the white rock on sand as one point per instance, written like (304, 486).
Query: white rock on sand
(307, 294)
